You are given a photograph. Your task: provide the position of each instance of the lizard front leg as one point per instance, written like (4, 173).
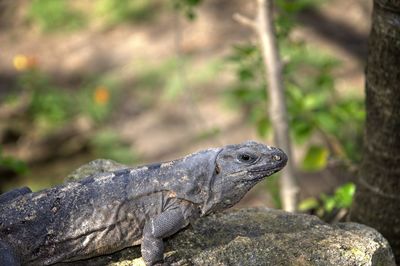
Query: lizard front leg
(163, 225)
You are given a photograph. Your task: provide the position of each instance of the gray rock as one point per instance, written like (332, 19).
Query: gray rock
(259, 237)
(274, 237)
(266, 237)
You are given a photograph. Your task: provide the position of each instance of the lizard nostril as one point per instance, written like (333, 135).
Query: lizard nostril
(277, 158)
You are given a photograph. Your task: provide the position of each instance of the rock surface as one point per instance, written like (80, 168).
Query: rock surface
(266, 237)
(260, 237)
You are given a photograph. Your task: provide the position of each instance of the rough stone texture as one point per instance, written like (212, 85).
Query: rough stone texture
(258, 237)
(273, 237)
(266, 237)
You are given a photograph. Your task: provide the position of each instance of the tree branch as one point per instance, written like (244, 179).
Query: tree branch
(245, 21)
(264, 28)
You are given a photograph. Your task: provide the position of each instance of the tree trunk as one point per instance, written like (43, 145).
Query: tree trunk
(377, 200)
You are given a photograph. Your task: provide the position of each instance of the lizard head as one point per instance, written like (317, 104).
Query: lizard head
(237, 169)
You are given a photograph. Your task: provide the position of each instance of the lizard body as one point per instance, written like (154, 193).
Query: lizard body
(107, 212)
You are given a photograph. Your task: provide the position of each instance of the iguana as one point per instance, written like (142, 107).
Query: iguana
(107, 212)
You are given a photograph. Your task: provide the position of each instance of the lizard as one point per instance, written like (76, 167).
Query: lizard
(106, 212)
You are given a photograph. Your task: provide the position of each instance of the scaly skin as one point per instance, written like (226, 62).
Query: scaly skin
(107, 212)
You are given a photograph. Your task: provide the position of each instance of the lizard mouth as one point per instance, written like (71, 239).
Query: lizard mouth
(269, 168)
(261, 172)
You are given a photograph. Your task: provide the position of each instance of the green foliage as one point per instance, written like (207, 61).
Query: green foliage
(308, 204)
(11, 163)
(60, 15)
(51, 106)
(343, 196)
(52, 15)
(316, 158)
(293, 7)
(97, 112)
(116, 11)
(314, 107)
(187, 7)
(249, 90)
(326, 204)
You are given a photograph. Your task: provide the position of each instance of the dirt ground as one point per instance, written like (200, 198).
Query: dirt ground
(174, 128)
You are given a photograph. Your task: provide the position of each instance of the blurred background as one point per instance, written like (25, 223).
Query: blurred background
(150, 80)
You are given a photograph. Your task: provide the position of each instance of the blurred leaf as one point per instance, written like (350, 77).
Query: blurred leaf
(302, 130)
(308, 204)
(329, 202)
(324, 80)
(344, 195)
(316, 158)
(325, 121)
(342, 198)
(313, 101)
(245, 74)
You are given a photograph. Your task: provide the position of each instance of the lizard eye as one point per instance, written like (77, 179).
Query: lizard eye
(246, 158)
